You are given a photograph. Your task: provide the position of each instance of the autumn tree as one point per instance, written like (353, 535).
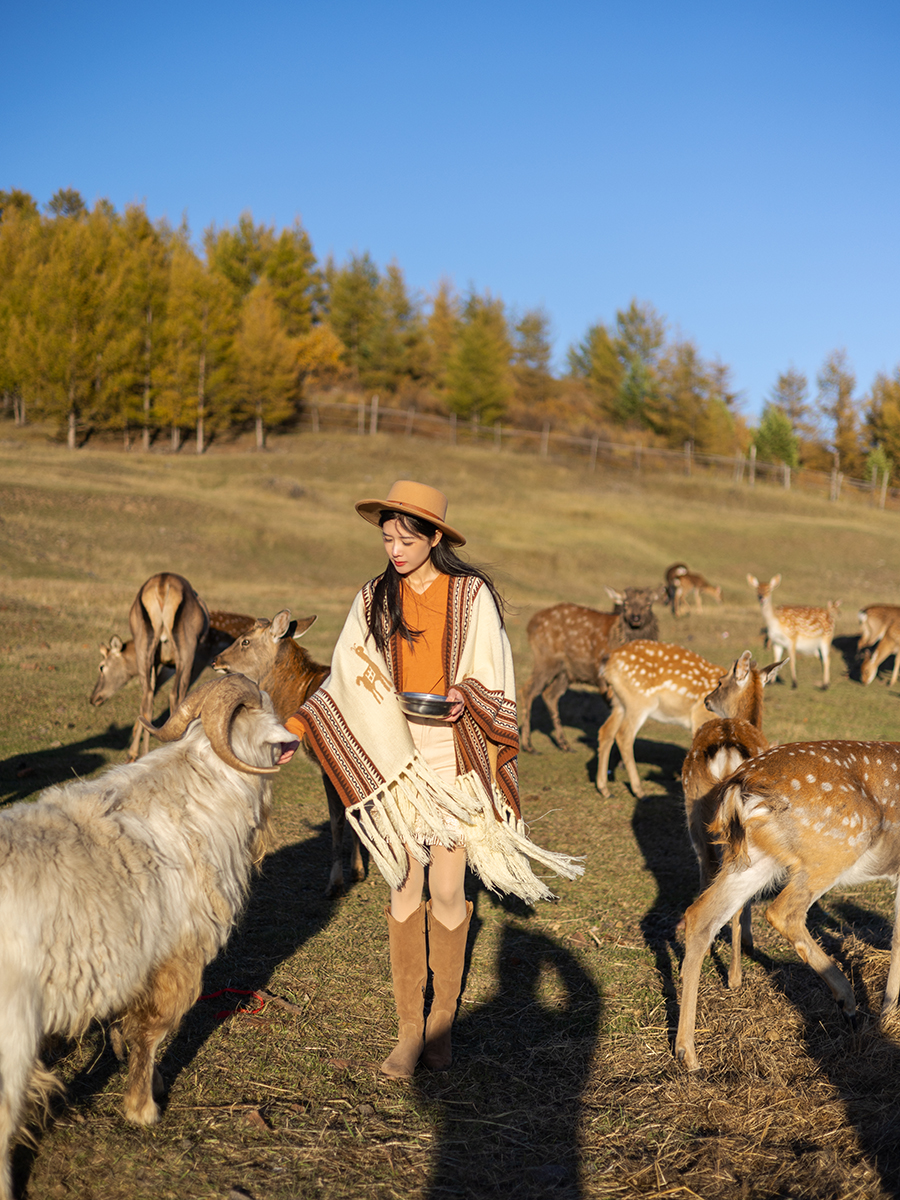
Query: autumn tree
(531, 354)
(266, 357)
(197, 339)
(883, 415)
(57, 340)
(837, 382)
(478, 374)
(441, 330)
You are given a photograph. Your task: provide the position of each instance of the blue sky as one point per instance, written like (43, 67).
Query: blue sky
(735, 165)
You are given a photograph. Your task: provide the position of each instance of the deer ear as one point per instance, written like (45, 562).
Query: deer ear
(302, 624)
(115, 644)
(753, 581)
(768, 674)
(742, 666)
(281, 622)
(619, 597)
(774, 581)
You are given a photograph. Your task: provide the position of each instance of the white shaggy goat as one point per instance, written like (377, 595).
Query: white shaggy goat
(115, 893)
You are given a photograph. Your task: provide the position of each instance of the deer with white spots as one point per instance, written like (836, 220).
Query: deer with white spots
(719, 747)
(812, 815)
(687, 582)
(569, 643)
(797, 628)
(651, 679)
(879, 636)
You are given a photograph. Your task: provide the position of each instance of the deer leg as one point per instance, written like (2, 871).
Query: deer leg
(826, 667)
(793, 656)
(605, 739)
(741, 938)
(892, 988)
(896, 669)
(173, 989)
(551, 696)
(625, 736)
(527, 698)
(702, 921)
(337, 818)
(787, 914)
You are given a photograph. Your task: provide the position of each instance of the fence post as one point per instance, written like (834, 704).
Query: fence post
(638, 455)
(453, 428)
(474, 426)
(738, 468)
(373, 420)
(545, 439)
(787, 477)
(751, 473)
(595, 442)
(498, 435)
(361, 417)
(884, 487)
(688, 450)
(410, 418)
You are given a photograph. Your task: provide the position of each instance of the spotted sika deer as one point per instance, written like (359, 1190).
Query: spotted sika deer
(569, 642)
(686, 582)
(719, 747)
(810, 816)
(797, 627)
(651, 679)
(879, 638)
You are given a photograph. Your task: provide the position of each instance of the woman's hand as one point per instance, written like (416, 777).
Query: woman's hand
(459, 703)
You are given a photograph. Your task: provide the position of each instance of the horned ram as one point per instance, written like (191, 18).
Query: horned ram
(116, 893)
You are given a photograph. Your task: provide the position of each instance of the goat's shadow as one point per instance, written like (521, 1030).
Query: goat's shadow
(507, 1115)
(21, 775)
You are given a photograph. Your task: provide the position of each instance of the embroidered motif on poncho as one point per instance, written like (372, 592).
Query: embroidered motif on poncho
(359, 734)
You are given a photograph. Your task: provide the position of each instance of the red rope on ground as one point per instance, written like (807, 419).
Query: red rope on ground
(230, 1012)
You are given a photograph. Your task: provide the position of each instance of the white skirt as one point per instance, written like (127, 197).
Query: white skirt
(434, 743)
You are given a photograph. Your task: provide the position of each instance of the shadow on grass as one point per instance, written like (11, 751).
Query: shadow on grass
(24, 774)
(507, 1115)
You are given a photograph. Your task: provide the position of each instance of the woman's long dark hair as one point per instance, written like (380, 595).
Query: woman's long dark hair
(387, 602)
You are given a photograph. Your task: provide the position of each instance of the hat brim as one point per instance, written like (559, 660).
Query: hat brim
(371, 510)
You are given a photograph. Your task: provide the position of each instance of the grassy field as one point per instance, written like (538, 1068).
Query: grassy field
(565, 1083)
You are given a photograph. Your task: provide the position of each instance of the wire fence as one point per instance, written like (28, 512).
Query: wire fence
(368, 418)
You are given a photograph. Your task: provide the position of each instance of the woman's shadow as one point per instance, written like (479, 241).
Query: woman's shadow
(508, 1113)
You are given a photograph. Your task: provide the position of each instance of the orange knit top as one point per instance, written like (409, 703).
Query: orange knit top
(421, 665)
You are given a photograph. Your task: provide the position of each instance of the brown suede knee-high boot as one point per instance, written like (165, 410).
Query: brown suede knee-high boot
(409, 971)
(446, 957)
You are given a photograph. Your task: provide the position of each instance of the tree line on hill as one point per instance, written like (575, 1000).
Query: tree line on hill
(110, 321)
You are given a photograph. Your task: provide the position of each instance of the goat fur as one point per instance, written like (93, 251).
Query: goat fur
(115, 893)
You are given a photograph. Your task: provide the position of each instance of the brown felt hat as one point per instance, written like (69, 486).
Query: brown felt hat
(416, 499)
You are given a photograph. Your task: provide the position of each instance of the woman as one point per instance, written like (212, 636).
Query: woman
(422, 792)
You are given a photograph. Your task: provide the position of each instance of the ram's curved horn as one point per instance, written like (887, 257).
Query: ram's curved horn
(222, 700)
(187, 711)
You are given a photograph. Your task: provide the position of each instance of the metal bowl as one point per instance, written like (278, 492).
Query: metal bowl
(425, 704)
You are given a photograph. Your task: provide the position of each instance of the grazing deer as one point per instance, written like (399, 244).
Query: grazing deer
(672, 574)
(719, 747)
(168, 621)
(797, 627)
(651, 679)
(569, 642)
(880, 636)
(811, 815)
(118, 660)
(690, 581)
(268, 654)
